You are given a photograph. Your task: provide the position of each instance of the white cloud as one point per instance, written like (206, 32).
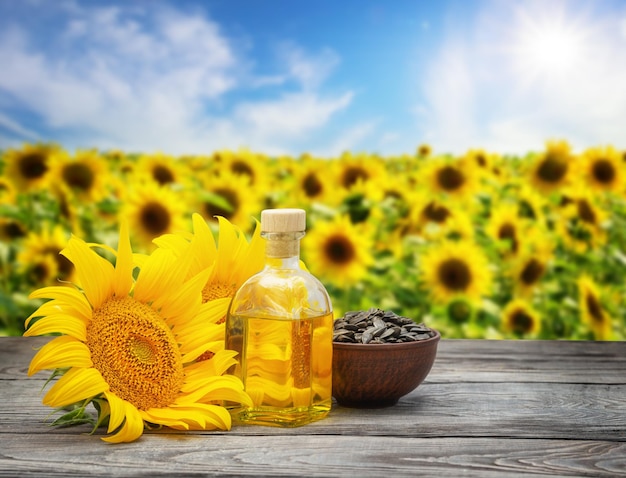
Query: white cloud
(347, 140)
(310, 71)
(292, 115)
(155, 79)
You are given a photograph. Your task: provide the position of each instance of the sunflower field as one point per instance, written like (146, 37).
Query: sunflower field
(477, 246)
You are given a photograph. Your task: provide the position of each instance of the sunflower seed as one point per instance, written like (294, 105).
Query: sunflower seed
(378, 326)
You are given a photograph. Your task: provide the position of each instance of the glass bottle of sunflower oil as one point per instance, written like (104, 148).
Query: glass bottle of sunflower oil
(281, 322)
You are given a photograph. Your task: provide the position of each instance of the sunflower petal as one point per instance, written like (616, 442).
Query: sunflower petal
(126, 415)
(159, 276)
(54, 307)
(58, 324)
(94, 273)
(76, 385)
(61, 352)
(189, 297)
(203, 238)
(122, 276)
(198, 416)
(64, 296)
(226, 387)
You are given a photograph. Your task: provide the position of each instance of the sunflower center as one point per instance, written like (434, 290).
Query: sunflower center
(532, 271)
(423, 150)
(162, 175)
(339, 250)
(521, 321)
(241, 167)
(78, 176)
(450, 178)
(481, 160)
(507, 232)
(436, 213)
(312, 185)
(33, 165)
(216, 290)
(454, 274)
(594, 308)
(12, 230)
(136, 353)
(552, 169)
(603, 171)
(585, 211)
(155, 218)
(231, 198)
(352, 175)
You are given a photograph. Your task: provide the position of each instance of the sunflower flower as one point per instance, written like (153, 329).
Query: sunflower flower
(552, 169)
(338, 251)
(593, 315)
(520, 319)
(28, 168)
(231, 262)
(131, 346)
(602, 169)
(454, 269)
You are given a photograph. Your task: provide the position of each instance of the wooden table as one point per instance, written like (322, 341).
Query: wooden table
(488, 408)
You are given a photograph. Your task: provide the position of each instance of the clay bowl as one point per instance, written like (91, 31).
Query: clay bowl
(378, 375)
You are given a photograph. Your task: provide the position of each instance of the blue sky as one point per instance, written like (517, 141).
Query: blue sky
(324, 76)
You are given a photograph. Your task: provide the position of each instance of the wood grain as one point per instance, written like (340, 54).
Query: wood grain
(488, 408)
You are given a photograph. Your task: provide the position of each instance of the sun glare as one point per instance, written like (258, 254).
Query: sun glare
(550, 44)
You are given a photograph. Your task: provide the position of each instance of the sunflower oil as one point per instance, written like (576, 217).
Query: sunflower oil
(281, 323)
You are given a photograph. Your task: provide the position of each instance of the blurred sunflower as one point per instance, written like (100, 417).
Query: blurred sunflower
(229, 196)
(592, 313)
(151, 211)
(246, 163)
(602, 169)
(582, 225)
(230, 263)
(310, 184)
(11, 230)
(532, 264)
(84, 176)
(434, 219)
(40, 259)
(7, 191)
(552, 169)
(505, 227)
(531, 205)
(131, 347)
(424, 150)
(338, 251)
(520, 319)
(450, 178)
(161, 168)
(354, 172)
(28, 168)
(480, 159)
(452, 269)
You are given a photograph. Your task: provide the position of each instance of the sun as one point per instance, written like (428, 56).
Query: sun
(549, 43)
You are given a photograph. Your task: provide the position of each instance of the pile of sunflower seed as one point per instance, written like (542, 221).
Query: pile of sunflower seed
(376, 326)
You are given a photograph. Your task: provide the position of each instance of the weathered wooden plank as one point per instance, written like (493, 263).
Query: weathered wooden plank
(457, 361)
(487, 408)
(202, 454)
(543, 410)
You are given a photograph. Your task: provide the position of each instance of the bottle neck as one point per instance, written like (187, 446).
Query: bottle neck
(282, 249)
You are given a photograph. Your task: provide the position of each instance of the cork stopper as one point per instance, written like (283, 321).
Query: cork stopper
(283, 220)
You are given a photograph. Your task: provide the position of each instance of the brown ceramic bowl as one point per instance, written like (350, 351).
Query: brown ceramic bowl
(378, 375)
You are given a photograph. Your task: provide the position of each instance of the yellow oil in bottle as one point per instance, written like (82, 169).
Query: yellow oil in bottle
(288, 384)
(280, 322)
